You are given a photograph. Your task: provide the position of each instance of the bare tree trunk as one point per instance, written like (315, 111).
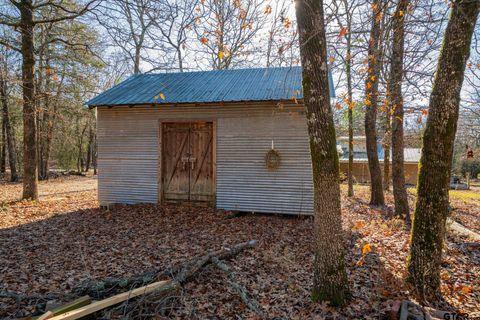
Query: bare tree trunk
(431, 209)
(386, 152)
(396, 75)
(43, 116)
(136, 64)
(94, 154)
(180, 59)
(371, 101)
(8, 140)
(50, 126)
(30, 169)
(80, 162)
(89, 149)
(350, 106)
(3, 151)
(330, 278)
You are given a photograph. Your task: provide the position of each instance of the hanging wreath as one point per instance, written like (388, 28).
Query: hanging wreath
(272, 159)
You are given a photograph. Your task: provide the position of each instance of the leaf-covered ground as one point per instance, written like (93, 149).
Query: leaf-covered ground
(65, 239)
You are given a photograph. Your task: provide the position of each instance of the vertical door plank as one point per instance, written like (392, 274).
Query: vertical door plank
(175, 169)
(202, 187)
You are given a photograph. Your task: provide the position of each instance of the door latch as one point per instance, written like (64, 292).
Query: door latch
(192, 162)
(185, 160)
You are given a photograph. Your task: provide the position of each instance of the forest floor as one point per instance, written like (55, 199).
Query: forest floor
(65, 239)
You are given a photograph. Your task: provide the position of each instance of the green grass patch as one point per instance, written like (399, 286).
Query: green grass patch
(462, 195)
(465, 195)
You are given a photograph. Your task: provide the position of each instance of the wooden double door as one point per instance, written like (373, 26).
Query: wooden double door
(188, 162)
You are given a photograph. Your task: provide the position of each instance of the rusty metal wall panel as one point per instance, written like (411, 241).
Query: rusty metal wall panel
(128, 156)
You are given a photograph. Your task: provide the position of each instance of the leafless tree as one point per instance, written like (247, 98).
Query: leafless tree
(226, 30)
(281, 47)
(173, 22)
(128, 23)
(371, 102)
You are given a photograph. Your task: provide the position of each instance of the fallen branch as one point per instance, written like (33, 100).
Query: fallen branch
(232, 281)
(153, 292)
(461, 230)
(180, 273)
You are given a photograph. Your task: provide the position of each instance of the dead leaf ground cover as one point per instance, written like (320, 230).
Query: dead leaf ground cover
(65, 239)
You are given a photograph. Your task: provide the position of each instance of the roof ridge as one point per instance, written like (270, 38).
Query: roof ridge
(215, 70)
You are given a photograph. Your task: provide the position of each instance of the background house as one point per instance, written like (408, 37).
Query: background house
(361, 172)
(207, 137)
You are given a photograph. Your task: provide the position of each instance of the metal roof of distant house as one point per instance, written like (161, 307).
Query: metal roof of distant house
(236, 85)
(410, 155)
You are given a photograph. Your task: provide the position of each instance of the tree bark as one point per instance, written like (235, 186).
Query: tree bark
(8, 141)
(371, 102)
(30, 169)
(396, 75)
(88, 158)
(94, 154)
(431, 207)
(330, 278)
(136, 62)
(3, 151)
(386, 152)
(348, 67)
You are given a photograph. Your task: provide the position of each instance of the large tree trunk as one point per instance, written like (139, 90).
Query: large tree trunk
(371, 102)
(30, 169)
(396, 75)
(8, 141)
(431, 208)
(330, 278)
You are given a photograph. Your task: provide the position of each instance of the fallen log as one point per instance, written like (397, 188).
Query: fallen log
(459, 229)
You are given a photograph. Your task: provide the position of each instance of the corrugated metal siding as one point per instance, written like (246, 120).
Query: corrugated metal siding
(243, 181)
(128, 156)
(256, 84)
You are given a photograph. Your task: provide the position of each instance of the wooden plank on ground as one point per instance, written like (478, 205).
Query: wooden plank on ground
(75, 304)
(102, 304)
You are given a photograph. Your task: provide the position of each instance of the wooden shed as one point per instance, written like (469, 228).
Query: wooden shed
(361, 172)
(207, 137)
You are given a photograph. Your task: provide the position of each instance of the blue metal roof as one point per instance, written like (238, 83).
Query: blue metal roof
(237, 85)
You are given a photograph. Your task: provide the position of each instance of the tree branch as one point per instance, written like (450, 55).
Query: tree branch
(72, 16)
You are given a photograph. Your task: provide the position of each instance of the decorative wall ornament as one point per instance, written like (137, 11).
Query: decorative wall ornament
(272, 159)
